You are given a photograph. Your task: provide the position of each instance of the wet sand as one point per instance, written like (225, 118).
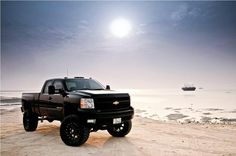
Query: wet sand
(147, 137)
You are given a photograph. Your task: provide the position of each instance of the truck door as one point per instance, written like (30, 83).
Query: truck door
(56, 100)
(44, 99)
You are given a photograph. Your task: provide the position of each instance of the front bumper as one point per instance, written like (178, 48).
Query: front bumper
(104, 118)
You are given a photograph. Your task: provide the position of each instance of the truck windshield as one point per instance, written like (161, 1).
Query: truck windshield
(83, 84)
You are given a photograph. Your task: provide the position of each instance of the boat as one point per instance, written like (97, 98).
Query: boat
(189, 88)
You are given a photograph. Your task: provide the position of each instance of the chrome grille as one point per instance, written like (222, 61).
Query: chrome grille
(110, 102)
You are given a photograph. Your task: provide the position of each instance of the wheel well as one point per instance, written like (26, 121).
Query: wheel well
(26, 106)
(70, 109)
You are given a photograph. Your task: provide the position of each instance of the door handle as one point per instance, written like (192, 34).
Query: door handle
(50, 98)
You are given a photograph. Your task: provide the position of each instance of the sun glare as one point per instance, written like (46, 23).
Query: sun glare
(120, 27)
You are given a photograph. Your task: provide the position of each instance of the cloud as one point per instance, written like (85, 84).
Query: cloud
(83, 28)
(180, 13)
(84, 22)
(194, 12)
(83, 25)
(140, 29)
(183, 11)
(66, 33)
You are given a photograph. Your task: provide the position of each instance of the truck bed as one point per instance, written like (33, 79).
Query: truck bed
(30, 102)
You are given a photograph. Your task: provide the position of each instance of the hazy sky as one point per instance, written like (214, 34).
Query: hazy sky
(171, 43)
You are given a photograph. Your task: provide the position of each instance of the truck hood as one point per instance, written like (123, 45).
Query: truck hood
(100, 92)
(104, 99)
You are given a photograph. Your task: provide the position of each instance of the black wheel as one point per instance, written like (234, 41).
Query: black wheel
(120, 130)
(72, 133)
(30, 121)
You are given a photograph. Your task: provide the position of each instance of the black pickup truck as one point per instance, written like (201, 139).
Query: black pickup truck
(82, 105)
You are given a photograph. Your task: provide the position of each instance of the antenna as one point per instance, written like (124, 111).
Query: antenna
(67, 72)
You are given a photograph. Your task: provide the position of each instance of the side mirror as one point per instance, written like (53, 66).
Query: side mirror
(51, 90)
(62, 92)
(108, 87)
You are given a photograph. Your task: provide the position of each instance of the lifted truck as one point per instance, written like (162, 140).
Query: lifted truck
(82, 105)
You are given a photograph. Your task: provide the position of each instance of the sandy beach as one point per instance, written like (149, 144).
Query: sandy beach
(148, 137)
(173, 62)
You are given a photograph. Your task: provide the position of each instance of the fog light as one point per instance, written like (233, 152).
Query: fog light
(91, 121)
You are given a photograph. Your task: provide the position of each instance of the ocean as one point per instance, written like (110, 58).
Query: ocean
(214, 106)
(200, 106)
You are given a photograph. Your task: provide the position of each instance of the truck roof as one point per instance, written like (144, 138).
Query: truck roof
(68, 78)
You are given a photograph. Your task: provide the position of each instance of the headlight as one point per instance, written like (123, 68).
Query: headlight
(86, 103)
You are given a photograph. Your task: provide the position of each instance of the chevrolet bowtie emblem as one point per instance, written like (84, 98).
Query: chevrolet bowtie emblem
(115, 102)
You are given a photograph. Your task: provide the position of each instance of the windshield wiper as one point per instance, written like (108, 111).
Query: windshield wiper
(91, 89)
(84, 89)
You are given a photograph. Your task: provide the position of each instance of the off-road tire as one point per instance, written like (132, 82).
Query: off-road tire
(30, 121)
(72, 133)
(120, 130)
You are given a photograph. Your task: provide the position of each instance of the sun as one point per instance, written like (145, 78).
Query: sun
(120, 27)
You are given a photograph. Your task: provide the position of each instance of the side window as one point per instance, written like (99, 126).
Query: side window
(58, 85)
(48, 83)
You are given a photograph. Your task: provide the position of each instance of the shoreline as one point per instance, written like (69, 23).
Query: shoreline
(174, 117)
(147, 137)
(177, 117)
